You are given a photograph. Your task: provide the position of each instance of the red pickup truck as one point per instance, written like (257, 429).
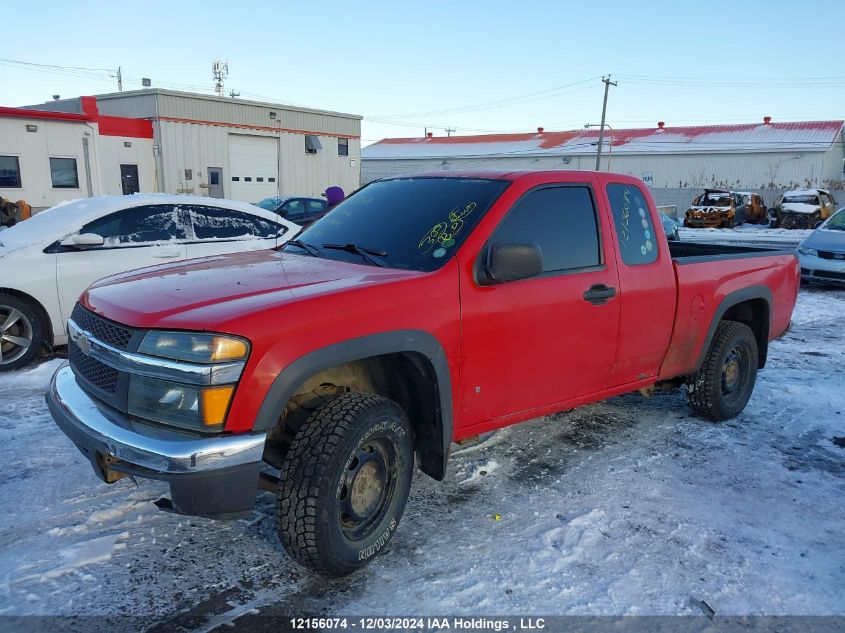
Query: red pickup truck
(421, 311)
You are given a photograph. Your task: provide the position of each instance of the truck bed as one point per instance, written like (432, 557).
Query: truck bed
(706, 274)
(696, 252)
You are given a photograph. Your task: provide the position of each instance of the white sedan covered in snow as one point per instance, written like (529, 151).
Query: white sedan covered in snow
(47, 261)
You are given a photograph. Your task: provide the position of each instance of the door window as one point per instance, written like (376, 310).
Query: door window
(212, 223)
(293, 209)
(316, 206)
(634, 230)
(138, 226)
(561, 221)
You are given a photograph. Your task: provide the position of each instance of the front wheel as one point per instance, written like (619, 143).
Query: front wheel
(21, 332)
(721, 388)
(345, 482)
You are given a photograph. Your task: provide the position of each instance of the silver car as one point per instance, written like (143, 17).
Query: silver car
(822, 254)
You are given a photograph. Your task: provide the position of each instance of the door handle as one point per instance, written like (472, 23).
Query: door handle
(599, 294)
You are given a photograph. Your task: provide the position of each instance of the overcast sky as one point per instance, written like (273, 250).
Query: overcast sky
(472, 66)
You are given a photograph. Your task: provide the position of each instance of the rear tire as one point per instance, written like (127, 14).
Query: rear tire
(344, 483)
(21, 332)
(721, 388)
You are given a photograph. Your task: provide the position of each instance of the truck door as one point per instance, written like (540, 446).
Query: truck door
(550, 338)
(647, 278)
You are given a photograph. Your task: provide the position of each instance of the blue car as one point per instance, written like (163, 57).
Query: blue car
(822, 254)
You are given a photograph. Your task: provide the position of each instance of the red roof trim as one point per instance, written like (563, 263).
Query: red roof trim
(23, 113)
(122, 126)
(108, 125)
(620, 136)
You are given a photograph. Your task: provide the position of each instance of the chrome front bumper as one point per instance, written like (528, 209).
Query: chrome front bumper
(215, 476)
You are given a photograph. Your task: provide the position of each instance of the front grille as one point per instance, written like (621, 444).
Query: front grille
(829, 274)
(93, 371)
(100, 328)
(831, 255)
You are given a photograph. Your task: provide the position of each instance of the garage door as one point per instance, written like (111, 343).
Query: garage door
(253, 167)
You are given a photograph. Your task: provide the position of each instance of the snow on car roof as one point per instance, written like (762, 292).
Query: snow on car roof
(66, 217)
(804, 192)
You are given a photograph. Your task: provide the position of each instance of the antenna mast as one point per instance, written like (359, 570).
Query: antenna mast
(219, 72)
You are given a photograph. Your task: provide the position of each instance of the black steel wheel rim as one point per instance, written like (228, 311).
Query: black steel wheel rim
(735, 372)
(366, 487)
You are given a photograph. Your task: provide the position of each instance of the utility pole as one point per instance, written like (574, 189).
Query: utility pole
(607, 85)
(449, 131)
(119, 80)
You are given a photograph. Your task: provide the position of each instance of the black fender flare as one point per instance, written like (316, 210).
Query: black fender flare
(396, 341)
(728, 302)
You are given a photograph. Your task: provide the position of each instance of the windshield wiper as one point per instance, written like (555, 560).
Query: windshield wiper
(309, 248)
(365, 253)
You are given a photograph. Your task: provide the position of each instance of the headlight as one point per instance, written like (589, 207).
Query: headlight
(195, 393)
(194, 347)
(189, 406)
(807, 251)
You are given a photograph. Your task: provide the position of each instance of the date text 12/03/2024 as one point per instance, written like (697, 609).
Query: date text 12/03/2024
(419, 624)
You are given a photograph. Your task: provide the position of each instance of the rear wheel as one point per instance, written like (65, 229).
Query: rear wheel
(21, 332)
(720, 389)
(345, 482)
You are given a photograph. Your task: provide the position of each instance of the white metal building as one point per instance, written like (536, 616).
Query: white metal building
(765, 156)
(243, 150)
(50, 157)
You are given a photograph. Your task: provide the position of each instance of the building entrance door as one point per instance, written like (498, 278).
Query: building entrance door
(129, 179)
(215, 182)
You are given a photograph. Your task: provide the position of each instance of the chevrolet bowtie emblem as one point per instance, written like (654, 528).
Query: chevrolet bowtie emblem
(83, 343)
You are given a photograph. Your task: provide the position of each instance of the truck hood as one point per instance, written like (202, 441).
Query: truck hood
(213, 290)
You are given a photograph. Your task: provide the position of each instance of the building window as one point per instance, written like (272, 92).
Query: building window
(343, 147)
(10, 172)
(312, 144)
(259, 179)
(271, 179)
(63, 173)
(247, 178)
(236, 178)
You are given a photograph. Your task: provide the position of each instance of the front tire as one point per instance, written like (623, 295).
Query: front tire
(345, 482)
(21, 332)
(721, 388)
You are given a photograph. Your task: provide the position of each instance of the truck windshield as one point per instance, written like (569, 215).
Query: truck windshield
(409, 223)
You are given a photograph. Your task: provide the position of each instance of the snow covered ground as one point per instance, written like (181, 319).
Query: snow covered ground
(631, 506)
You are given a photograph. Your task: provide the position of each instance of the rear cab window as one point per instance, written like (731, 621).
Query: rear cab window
(634, 228)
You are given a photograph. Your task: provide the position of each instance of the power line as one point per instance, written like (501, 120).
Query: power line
(524, 98)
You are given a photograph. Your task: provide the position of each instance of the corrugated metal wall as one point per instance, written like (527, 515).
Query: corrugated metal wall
(192, 133)
(198, 147)
(738, 171)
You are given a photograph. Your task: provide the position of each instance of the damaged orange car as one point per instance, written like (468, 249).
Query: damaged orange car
(715, 208)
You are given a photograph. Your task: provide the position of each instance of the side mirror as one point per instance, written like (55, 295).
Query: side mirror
(83, 239)
(511, 262)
